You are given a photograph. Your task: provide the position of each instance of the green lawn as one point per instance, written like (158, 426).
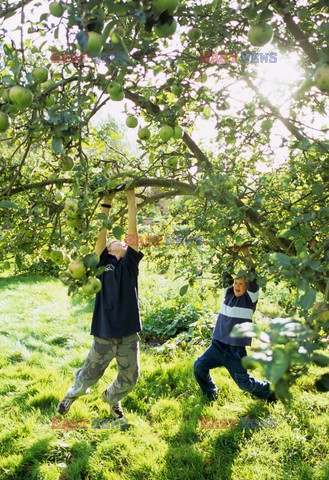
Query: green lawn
(45, 338)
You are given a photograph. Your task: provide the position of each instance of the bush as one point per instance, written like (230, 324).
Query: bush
(167, 322)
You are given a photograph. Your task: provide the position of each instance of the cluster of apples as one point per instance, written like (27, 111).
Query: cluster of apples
(165, 133)
(261, 33)
(72, 214)
(166, 25)
(81, 270)
(18, 97)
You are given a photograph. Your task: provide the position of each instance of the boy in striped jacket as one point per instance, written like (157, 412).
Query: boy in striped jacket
(240, 300)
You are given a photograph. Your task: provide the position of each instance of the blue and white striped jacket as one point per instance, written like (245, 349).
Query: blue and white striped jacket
(235, 310)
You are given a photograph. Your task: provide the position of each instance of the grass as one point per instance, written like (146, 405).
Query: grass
(45, 338)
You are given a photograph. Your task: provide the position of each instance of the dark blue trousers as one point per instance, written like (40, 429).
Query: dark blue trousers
(229, 356)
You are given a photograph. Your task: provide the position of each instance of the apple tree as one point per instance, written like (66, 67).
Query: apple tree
(174, 64)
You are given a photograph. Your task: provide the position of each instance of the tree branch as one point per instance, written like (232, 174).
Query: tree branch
(7, 10)
(153, 109)
(30, 186)
(296, 32)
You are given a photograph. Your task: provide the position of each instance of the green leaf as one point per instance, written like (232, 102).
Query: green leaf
(281, 259)
(117, 232)
(99, 271)
(91, 260)
(249, 363)
(308, 299)
(246, 329)
(183, 290)
(57, 145)
(8, 204)
(278, 366)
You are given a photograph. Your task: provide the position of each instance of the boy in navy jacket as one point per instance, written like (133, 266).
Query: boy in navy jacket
(240, 300)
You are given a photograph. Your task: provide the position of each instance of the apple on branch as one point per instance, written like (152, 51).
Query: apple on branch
(92, 286)
(77, 269)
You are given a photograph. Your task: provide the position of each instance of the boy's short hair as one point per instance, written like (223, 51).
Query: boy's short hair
(236, 277)
(112, 241)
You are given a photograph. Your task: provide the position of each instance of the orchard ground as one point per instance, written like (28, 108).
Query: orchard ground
(45, 338)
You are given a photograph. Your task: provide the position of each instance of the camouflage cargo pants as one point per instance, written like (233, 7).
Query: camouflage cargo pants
(103, 350)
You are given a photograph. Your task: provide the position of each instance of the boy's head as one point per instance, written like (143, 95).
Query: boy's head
(117, 248)
(240, 286)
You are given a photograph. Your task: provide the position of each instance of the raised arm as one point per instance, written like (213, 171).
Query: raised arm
(247, 257)
(101, 239)
(132, 218)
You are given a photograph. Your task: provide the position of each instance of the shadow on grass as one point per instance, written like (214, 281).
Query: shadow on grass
(6, 282)
(73, 458)
(185, 460)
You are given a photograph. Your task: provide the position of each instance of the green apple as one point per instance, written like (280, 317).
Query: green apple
(260, 34)
(92, 286)
(77, 269)
(194, 34)
(321, 78)
(166, 132)
(4, 122)
(114, 88)
(56, 9)
(94, 44)
(71, 207)
(165, 5)
(73, 222)
(59, 196)
(178, 132)
(56, 256)
(165, 29)
(40, 74)
(118, 97)
(21, 96)
(131, 121)
(176, 89)
(65, 164)
(144, 133)
(266, 125)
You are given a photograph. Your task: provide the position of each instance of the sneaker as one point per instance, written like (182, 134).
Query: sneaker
(115, 409)
(272, 398)
(65, 404)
